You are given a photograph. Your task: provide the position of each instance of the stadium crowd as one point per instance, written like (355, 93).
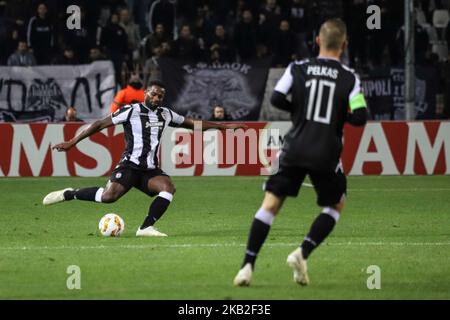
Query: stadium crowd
(135, 34)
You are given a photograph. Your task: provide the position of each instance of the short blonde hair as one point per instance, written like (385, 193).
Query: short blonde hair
(333, 33)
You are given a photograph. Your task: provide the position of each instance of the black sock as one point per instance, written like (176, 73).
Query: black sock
(258, 234)
(87, 194)
(320, 229)
(156, 210)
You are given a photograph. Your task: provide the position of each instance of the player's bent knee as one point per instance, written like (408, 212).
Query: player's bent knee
(339, 207)
(274, 209)
(272, 203)
(110, 197)
(170, 188)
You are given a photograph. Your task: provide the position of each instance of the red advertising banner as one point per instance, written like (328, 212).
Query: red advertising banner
(380, 148)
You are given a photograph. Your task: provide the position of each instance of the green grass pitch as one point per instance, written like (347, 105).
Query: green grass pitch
(401, 224)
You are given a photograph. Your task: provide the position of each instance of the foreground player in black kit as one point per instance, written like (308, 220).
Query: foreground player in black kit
(144, 124)
(325, 95)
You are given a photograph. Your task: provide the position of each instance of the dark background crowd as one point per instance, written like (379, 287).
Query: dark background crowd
(134, 34)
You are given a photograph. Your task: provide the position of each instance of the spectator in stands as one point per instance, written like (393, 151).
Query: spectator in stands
(40, 35)
(221, 43)
(140, 10)
(114, 41)
(133, 93)
(96, 54)
(166, 49)
(283, 44)
(163, 11)
(186, 48)
(222, 10)
(245, 37)
(203, 29)
(421, 44)
(8, 45)
(214, 57)
(262, 51)
(219, 113)
(269, 21)
(22, 57)
(151, 70)
(298, 22)
(19, 12)
(355, 17)
(71, 115)
(132, 30)
(186, 11)
(153, 40)
(68, 57)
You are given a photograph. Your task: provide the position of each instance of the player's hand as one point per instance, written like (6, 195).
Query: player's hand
(235, 126)
(64, 146)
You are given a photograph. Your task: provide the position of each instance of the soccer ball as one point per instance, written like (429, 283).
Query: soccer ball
(111, 225)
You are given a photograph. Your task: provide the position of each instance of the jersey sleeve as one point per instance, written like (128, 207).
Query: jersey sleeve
(356, 98)
(285, 82)
(176, 119)
(122, 115)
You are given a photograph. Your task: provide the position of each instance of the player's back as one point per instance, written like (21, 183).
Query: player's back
(321, 89)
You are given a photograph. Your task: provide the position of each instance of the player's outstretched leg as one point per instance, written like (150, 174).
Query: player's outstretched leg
(165, 188)
(55, 197)
(258, 233)
(112, 192)
(320, 229)
(89, 194)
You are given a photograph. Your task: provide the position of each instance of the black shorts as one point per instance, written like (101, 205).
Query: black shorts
(130, 177)
(330, 186)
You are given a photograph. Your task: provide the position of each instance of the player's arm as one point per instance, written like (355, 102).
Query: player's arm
(190, 123)
(279, 101)
(357, 115)
(94, 127)
(283, 86)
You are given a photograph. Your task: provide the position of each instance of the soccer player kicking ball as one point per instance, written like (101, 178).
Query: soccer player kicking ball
(143, 124)
(325, 94)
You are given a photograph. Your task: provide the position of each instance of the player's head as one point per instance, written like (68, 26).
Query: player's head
(332, 36)
(154, 95)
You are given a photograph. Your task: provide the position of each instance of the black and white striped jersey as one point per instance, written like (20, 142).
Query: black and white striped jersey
(143, 129)
(324, 94)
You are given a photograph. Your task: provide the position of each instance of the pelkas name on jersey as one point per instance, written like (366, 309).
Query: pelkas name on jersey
(154, 124)
(322, 71)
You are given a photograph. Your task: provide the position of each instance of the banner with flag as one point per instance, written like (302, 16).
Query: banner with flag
(384, 91)
(43, 93)
(194, 89)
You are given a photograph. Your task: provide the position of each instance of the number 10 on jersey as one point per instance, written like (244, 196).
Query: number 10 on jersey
(320, 105)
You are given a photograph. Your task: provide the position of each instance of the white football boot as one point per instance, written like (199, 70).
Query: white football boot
(244, 276)
(149, 232)
(55, 197)
(296, 261)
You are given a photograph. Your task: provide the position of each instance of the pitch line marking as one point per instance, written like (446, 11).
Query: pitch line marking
(216, 245)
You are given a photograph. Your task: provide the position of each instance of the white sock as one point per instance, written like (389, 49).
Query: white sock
(265, 216)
